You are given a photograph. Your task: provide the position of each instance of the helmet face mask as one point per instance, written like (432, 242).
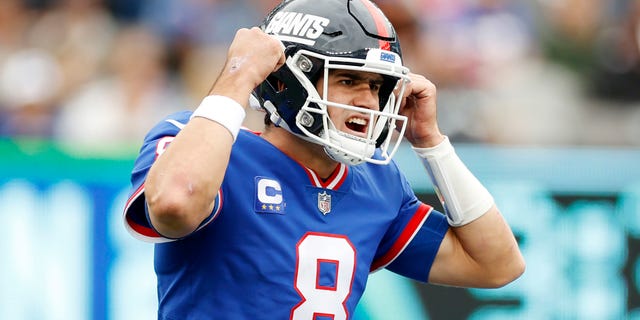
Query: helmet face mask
(302, 110)
(339, 145)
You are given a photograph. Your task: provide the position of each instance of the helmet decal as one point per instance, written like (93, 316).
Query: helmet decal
(381, 23)
(297, 27)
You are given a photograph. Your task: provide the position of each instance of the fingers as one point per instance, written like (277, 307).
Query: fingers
(282, 59)
(420, 87)
(251, 57)
(268, 47)
(418, 91)
(254, 54)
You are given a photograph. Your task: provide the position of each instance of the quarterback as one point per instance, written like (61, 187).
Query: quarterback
(288, 223)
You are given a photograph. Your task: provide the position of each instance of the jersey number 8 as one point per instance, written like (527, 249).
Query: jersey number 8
(335, 252)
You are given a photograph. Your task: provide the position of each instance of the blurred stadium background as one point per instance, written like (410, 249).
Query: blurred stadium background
(541, 98)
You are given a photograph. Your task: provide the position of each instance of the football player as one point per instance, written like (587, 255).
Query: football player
(289, 222)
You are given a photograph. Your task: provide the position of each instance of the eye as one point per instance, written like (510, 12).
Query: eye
(375, 86)
(347, 82)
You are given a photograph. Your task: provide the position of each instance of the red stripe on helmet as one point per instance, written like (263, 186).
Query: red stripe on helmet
(381, 23)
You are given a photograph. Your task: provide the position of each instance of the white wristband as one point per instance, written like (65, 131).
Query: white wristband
(463, 197)
(222, 110)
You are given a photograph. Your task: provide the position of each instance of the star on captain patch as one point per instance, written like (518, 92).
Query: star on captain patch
(324, 202)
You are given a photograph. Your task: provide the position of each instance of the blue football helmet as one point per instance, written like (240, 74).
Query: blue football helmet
(318, 38)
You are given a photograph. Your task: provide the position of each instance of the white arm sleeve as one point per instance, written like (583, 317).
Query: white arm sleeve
(463, 197)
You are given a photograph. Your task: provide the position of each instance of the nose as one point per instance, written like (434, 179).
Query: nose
(365, 97)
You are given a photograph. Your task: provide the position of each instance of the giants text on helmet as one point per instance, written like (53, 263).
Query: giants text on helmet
(292, 25)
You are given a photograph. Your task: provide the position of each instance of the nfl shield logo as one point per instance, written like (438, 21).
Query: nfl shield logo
(324, 202)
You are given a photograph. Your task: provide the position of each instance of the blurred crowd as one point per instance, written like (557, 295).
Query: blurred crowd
(99, 73)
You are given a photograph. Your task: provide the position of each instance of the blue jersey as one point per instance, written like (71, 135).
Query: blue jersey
(282, 243)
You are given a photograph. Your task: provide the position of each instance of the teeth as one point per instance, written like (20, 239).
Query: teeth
(358, 121)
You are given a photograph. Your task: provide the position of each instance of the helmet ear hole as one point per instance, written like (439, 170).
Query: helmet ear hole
(280, 86)
(386, 90)
(273, 83)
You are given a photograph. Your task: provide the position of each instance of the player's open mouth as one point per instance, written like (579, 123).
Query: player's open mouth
(358, 125)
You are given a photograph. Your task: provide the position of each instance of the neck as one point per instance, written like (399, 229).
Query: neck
(308, 154)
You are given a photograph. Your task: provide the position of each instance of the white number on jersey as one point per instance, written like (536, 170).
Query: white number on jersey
(315, 250)
(162, 145)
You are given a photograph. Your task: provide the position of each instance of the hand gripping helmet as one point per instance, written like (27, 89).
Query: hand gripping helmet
(326, 35)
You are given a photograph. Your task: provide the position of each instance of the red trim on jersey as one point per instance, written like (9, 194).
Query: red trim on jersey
(138, 228)
(149, 232)
(381, 23)
(405, 237)
(217, 207)
(335, 180)
(336, 265)
(143, 230)
(257, 133)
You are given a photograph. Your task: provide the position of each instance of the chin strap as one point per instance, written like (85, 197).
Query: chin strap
(274, 116)
(360, 150)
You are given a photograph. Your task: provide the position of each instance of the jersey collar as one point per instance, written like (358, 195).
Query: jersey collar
(335, 180)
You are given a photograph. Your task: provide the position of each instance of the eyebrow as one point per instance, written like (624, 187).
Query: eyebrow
(359, 76)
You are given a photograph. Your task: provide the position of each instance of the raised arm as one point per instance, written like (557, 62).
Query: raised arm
(479, 250)
(182, 184)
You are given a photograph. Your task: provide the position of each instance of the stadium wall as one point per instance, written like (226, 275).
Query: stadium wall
(575, 212)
